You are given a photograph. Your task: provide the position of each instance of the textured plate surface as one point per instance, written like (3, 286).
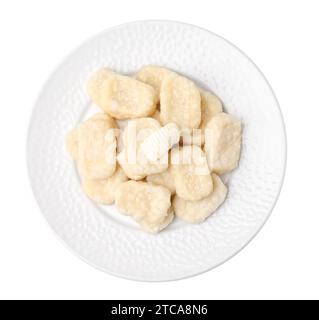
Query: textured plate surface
(111, 241)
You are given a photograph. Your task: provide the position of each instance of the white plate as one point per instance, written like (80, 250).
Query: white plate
(112, 242)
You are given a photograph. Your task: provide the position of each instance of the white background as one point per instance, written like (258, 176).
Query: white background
(282, 38)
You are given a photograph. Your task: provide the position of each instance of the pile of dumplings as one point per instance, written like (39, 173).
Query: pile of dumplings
(157, 147)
